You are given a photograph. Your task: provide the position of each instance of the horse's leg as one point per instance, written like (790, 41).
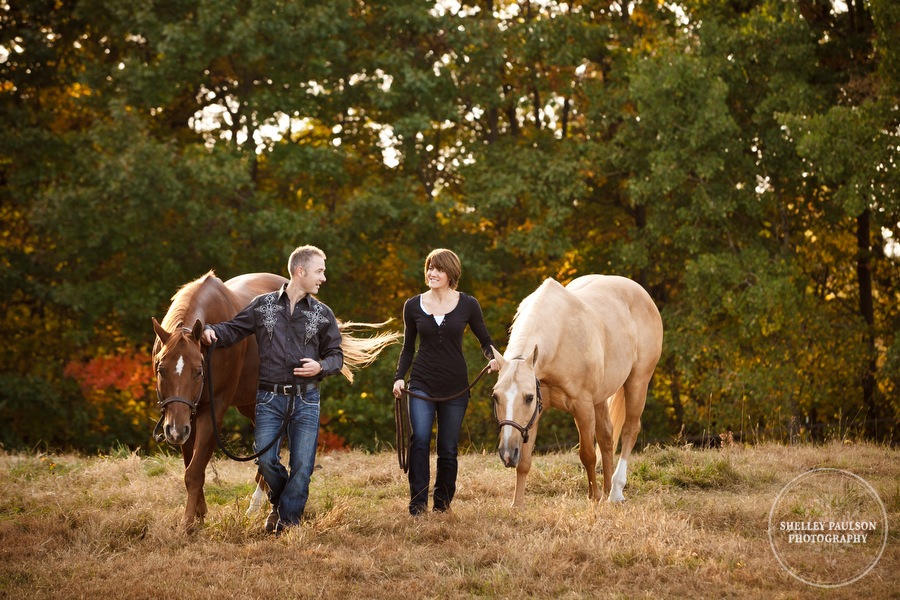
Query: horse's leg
(261, 493)
(195, 473)
(187, 451)
(524, 464)
(585, 422)
(635, 399)
(604, 433)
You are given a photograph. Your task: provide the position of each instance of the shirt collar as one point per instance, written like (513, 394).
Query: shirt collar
(282, 293)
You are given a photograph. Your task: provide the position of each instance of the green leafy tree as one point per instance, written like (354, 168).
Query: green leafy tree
(737, 159)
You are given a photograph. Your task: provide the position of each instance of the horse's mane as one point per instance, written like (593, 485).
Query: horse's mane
(532, 312)
(182, 301)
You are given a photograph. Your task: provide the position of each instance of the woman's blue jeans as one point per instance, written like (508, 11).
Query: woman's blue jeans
(288, 491)
(422, 414)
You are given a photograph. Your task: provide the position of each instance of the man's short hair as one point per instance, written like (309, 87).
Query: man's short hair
(300, 257)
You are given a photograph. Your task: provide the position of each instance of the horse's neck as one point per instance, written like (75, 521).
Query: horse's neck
(541, 325)
(214, 303)
(523, 346)
(208, 302)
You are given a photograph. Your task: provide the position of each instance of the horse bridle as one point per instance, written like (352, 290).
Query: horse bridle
(537, 410)
(163, 403)
(207, 373)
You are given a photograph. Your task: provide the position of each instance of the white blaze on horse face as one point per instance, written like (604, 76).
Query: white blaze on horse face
(179, 366)
(511, 394)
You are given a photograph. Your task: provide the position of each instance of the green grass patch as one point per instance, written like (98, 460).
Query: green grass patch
(684, 468)
(221, 495)
(155, 466)
(36, 467)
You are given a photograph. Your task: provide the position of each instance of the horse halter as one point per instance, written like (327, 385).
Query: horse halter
(537, 410)
(162, 403)
(191, 403)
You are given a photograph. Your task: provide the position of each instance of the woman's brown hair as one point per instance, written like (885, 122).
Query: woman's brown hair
(448, 262)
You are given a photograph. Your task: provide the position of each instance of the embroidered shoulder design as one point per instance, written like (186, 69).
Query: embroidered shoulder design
(268, 309)
(313, 318)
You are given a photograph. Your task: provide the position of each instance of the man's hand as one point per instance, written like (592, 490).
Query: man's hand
(208, 337)
(308, 368)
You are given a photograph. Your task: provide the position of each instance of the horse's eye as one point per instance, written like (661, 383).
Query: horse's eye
(496, 398)
(529, 398)
(198, 374)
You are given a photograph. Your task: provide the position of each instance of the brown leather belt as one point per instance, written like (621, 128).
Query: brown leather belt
(288, 389)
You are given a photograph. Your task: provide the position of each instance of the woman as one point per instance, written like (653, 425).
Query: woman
(438, 318)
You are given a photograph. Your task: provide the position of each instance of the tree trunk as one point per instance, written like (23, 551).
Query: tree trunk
(675, 390)
(867, 311)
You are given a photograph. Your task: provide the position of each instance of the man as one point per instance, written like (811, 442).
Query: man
(299, 345)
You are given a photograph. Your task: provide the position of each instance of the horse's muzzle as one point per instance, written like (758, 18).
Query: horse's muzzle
(510, 458)
(177, 423)
(175, 428)
(177, 434)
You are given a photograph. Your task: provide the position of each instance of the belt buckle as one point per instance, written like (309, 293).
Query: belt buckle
(287, 389)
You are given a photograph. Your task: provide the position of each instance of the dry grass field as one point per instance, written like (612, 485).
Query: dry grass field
(694, 526)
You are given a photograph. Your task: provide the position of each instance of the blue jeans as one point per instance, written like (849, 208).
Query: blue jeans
(449, 422)
(288, 491)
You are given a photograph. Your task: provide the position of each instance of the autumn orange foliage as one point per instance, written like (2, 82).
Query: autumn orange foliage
(123, 372)
(123, 379)
(329, 440)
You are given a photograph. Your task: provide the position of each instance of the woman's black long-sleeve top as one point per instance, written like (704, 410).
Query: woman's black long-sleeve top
(439, 367)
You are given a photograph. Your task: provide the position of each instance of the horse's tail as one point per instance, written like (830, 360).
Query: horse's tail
(616, 404)
(360, 352)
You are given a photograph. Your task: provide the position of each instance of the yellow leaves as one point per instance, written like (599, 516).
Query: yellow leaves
(76, 90)
(569, 268)
(640, 17)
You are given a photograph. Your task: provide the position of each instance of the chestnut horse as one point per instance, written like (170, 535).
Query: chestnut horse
(590, 349)
(179, 366)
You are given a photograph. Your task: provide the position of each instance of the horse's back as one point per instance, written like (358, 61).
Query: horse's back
(619, 299)
(606, 284)
(250, 285)
(601, 290)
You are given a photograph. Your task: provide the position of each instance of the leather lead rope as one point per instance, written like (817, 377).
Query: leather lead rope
(402, 426)
(215, 426)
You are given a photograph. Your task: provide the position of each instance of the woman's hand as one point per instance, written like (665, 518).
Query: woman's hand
(493, 366)
(398, 387)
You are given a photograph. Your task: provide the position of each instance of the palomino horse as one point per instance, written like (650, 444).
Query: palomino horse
(179, 365)
(590, 349)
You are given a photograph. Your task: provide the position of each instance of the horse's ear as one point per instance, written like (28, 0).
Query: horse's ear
(498, 357)
(162, 333)
(534, 356)
(197, 330)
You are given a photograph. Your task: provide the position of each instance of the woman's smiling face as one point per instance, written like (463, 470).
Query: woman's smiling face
(437, 278)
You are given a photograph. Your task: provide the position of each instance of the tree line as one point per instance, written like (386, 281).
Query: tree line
(738, 159)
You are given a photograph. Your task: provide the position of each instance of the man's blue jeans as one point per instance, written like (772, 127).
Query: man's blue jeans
(449, 415)
(288, 491)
